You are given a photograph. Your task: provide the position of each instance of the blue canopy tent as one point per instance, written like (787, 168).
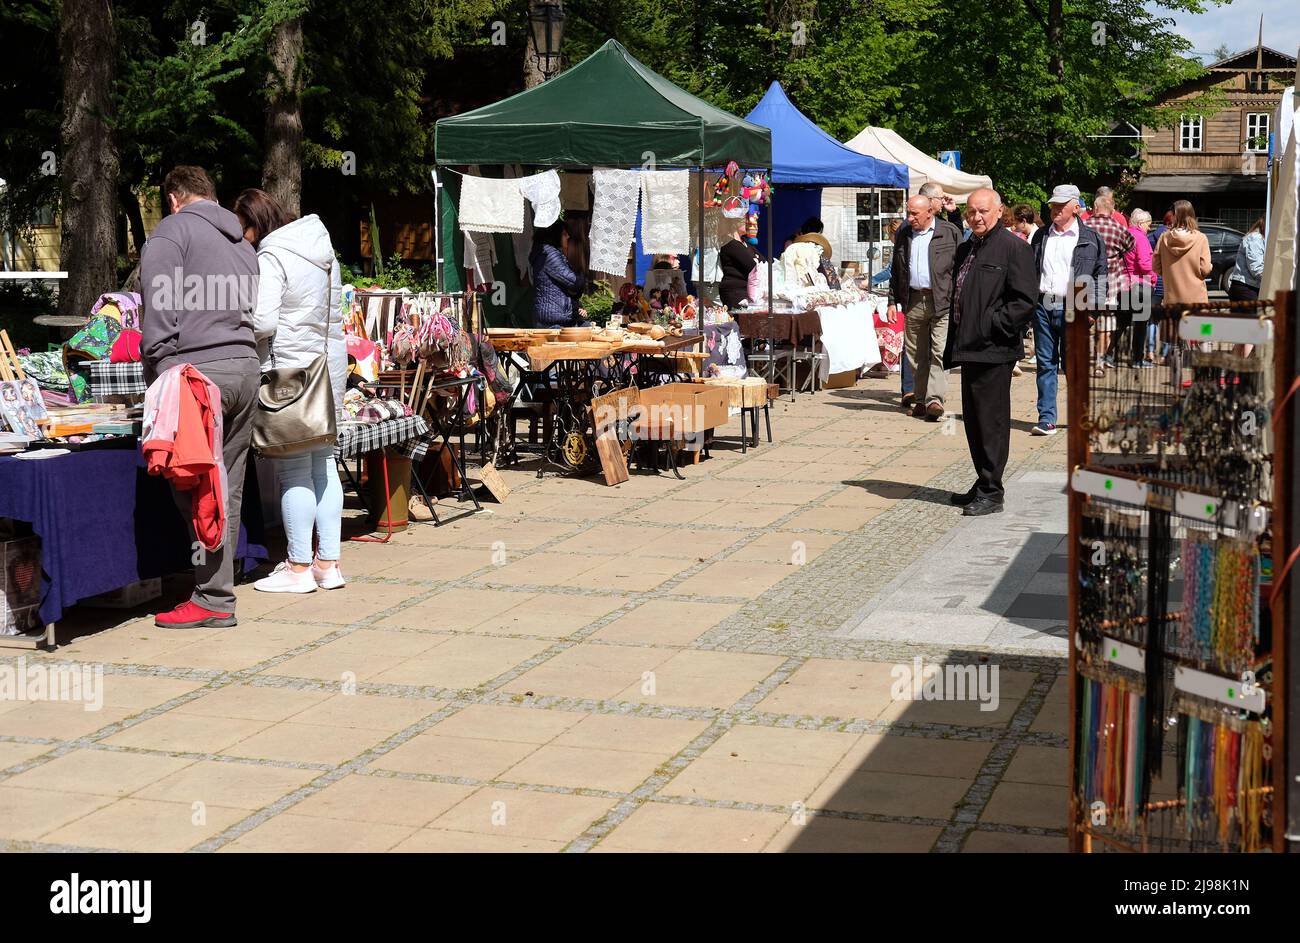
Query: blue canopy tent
(805, 158)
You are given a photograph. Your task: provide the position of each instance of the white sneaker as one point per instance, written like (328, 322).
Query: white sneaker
(330, 578)
(285, 580)
(1043, 428)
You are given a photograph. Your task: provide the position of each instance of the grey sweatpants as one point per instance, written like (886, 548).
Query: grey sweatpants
(214, 574)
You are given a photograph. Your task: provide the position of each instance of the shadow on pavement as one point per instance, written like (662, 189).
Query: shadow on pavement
(899, 792)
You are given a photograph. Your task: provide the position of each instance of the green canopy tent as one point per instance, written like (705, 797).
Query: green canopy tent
(609, 110)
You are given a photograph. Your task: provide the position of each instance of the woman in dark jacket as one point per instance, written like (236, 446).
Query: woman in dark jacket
(559, 272)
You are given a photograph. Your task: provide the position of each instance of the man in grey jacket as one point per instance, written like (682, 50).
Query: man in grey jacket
(921, 284)
(198, 278)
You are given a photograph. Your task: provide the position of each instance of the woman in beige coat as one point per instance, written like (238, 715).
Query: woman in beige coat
(1182, 258)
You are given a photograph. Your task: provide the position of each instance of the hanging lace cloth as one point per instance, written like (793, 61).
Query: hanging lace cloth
(613, 218)
(490, 204)
(543, 191)
(665, 212)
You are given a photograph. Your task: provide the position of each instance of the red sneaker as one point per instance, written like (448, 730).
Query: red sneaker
(190, 615)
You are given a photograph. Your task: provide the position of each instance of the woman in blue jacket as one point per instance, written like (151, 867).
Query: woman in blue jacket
(558, 264)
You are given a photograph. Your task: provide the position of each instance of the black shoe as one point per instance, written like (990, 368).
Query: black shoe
(981, 506)
(961, 500)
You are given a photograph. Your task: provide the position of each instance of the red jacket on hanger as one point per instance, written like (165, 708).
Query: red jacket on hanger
(182, 441)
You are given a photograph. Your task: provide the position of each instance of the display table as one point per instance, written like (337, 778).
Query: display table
(846, 332)
(105, 523)
(848, 336)
(382, 444)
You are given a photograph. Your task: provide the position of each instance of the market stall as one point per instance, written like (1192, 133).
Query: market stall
(125, 531)
(1182, 627)
(580, 129)
(833, 329)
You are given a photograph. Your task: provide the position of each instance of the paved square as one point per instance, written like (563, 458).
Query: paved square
(707, 665)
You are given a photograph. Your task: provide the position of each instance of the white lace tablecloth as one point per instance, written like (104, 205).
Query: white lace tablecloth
(849, 335)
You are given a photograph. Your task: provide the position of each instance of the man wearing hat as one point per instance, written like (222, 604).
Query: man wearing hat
(1070, 263)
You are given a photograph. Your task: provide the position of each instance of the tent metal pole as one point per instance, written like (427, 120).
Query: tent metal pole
(437, 226)
(699, 247)
(771, 320)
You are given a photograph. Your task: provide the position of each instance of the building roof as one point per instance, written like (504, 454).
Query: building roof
(1247, 59)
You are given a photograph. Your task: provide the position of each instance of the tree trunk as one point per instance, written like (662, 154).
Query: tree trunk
(282, 168)
(89, 164)
(532, 69)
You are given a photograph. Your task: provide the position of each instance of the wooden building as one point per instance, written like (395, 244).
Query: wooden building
(1217, 155)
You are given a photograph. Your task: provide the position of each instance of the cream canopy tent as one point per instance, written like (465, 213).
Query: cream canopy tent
(888, 145)
(840, 211)
(1279, 252)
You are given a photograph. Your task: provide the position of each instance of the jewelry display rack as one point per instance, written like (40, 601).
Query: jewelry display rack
(1179, 555)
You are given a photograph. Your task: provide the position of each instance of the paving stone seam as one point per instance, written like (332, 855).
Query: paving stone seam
(994, 767)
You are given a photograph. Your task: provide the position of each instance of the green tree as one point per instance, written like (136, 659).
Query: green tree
(1028, 90)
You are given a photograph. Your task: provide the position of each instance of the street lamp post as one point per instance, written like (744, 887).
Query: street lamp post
(546, 32)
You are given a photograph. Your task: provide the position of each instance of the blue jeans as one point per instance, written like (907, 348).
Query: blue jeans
(311, 496)
(907, 376)
(1049, 351)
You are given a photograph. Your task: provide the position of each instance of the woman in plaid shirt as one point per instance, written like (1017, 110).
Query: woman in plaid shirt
(1119, 242)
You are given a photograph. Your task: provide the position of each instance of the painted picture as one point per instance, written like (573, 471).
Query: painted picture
(22, 408)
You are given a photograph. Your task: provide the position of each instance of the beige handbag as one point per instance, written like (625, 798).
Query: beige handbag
(295, 407)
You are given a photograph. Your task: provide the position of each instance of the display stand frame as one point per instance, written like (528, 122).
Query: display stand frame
(1283, 408)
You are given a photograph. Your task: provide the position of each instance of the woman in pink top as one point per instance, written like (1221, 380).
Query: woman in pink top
(1139, 282)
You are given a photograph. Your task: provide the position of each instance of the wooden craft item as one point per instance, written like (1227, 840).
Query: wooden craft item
(495, 484)
(612, 461)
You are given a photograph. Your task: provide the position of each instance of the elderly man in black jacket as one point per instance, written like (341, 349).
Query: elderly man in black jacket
(921, 284)
(993, 297)
(1070, 266)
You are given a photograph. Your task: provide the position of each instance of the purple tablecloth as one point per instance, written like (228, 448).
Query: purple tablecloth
(103, 522)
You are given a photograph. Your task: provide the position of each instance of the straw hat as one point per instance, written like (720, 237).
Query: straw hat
(820, 240)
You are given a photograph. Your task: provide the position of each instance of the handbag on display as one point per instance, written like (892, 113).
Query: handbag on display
(295, 407)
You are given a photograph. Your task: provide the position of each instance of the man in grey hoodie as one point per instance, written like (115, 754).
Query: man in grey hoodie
(198, 277)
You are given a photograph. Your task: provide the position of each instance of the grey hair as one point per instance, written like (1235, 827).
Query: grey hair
(1138, 217)
(1101, 192)
(931, 190)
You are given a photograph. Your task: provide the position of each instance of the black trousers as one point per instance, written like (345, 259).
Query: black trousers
(986, 411)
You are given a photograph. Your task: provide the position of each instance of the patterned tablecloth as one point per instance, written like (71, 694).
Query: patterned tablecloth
(116, 379)
(357, 438)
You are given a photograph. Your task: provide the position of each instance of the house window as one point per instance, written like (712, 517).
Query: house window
(1191, 129)
(874, 210)
(1257, 132)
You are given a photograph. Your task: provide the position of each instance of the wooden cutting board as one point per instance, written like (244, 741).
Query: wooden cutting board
(612, 462)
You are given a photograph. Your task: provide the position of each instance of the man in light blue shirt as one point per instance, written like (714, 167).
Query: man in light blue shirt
(921, 285)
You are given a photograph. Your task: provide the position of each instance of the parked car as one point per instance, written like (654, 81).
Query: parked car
(1224, 243)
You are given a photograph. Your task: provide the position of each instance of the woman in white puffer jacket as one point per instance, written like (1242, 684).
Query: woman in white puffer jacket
(299, 294)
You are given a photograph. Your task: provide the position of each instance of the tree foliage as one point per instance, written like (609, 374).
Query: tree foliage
(1026, 89)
